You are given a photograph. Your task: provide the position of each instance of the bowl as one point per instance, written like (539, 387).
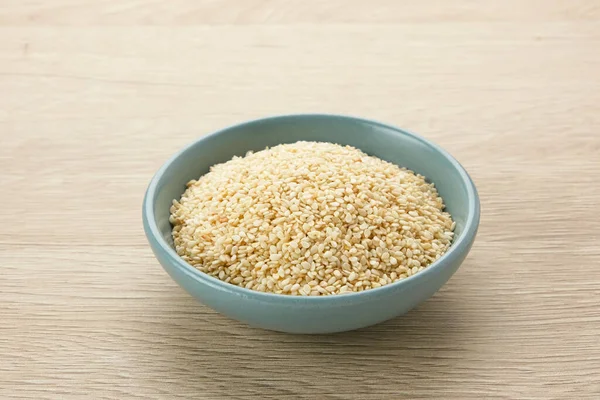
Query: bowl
(313, 314)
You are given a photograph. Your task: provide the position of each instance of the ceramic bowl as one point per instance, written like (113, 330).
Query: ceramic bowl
(319, 314)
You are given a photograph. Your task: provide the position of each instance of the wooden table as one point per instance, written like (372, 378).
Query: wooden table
(95, 95)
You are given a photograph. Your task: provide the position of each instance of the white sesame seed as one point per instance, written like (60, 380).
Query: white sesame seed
(310, 219)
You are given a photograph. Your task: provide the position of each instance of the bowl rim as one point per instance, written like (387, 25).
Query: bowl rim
(462, 243)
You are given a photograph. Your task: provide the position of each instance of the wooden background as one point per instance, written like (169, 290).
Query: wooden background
(96, 95)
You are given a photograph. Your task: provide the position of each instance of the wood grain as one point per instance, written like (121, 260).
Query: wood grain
(95, 95)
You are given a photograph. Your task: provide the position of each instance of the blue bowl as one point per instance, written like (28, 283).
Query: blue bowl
(319, 314)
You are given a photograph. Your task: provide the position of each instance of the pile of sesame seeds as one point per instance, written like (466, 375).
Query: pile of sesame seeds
(310, 219)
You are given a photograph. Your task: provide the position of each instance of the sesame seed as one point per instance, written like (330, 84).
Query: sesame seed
(310, 219)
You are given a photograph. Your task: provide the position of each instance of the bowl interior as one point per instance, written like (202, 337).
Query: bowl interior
(385, 142)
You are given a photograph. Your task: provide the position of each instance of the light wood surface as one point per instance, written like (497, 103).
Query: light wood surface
(96, 95)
